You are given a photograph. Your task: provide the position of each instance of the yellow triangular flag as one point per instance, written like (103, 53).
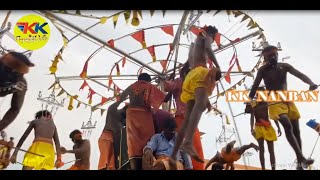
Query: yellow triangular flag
(115, 19)
(251, 22)
(163, 12)
(151, 12)
(102, 111)
(236, 13)
(216, 12)
(127, 15)
(52, 85)
(65, 42)
(140, 13)
(245, 17)
(254, 25)
(78, 105)
(103, 20)
(61, 92)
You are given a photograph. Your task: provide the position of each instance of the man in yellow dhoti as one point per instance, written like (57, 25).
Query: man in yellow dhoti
(41, 156)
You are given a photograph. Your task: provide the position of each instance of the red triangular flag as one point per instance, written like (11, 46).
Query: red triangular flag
(238, 65)
(91, 93)
(111, 43)
(164, 64)
(84, 84)
(231, 61)
(139, 36)
(118, 89)
(195, 30)
(228, 78)
(168, 30)
(118, 69)
(83, 74)
(151, 50)
(103, 100)
(110, 82)
(217, 38)
(124, 60)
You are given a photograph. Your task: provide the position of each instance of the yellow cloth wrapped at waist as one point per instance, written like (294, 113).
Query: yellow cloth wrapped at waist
(199, 77)
(38, 162)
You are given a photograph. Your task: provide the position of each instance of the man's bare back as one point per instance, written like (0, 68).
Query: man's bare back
(199, 55)
(82, 152)
(43, 128)
(113, 120)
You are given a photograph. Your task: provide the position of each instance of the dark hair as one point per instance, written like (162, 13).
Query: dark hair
(217, 166)
(170, 123)
(44, 113)
(23, 58)
(74, 133)
(268, 48)
(211, 30)
(144, 77)
(228, 148)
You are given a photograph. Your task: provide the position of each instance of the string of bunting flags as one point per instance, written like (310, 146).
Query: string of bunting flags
(139, 36)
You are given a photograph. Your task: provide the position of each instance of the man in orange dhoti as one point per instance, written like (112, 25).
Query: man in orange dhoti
(139, 121)
(174, 87)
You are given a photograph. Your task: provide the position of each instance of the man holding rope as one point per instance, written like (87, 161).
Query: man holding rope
(274, 75)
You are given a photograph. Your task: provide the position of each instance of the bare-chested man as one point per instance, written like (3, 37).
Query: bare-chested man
(274, 75)
(174, 87)
(229, 155)
(139, 122)
(115, 120)
(262, 130)
(44, 131)
(81, 150)
(13, 66)
(197, 87)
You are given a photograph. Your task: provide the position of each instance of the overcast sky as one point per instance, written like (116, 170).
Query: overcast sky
(297, 32)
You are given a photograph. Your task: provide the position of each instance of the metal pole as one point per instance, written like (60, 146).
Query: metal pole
(235, 125)
(47, 13)
(178, 34)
